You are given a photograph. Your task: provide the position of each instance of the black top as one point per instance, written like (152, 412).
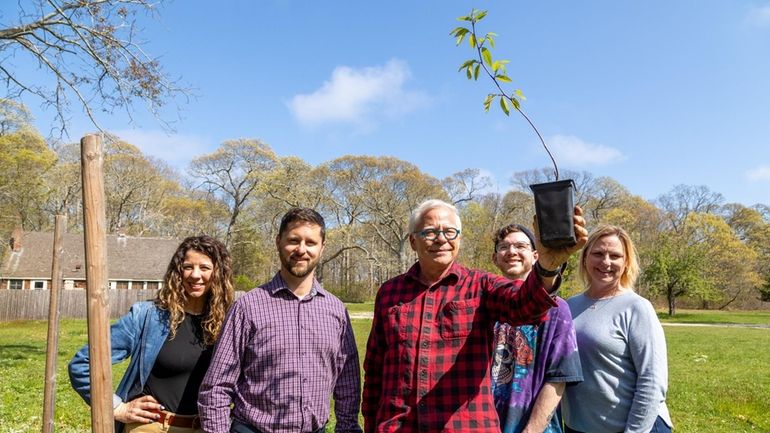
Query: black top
(179, 369)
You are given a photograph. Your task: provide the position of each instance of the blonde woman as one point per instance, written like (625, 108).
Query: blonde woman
(169, 342)
(621, 344)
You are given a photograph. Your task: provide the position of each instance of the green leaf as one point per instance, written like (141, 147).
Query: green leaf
(476, 71)
(464, 18)
(459, 33)
(516, 103)
(472, 40)
(519, 94)
(480, 16)
(504, 106)
(487, 56)
(503, 78)
(466, 64)
(468, 72)
(488, 101)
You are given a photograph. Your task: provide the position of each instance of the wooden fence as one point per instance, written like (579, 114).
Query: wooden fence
(33, 304)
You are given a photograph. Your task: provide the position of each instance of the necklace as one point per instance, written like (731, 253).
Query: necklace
(598, 303)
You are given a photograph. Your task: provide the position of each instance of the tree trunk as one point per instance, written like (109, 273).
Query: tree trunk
(671, 301)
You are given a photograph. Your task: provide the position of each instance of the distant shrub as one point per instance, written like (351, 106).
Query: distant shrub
(244, 283)
(354, 292)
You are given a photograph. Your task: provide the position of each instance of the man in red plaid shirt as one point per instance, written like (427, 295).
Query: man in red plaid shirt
(428, 355)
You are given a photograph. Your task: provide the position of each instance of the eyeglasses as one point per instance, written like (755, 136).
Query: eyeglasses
(450, 234)
(518, 246)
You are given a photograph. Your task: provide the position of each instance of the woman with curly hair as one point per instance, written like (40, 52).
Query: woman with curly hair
(169, 341)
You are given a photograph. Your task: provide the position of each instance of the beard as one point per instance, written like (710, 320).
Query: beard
(299, 269)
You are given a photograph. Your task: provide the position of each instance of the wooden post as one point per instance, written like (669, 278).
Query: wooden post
(49, 393)
(95, 232)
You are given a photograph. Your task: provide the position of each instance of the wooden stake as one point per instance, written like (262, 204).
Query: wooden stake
(95, 232)
(49, 393)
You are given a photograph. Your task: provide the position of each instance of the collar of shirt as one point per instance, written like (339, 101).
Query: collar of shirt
(277, 284)
(456, 271)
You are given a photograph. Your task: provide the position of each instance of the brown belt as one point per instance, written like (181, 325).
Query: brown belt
(170, 418)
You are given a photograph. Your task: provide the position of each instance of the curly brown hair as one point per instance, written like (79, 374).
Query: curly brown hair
(173, 297)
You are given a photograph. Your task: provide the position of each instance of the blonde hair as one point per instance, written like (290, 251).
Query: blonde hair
(173, 297)
(631, 271)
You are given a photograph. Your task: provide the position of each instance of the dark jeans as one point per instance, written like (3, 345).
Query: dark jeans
(239, 427)
(660, 426)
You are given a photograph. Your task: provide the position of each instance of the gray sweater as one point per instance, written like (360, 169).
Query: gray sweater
(625, 368)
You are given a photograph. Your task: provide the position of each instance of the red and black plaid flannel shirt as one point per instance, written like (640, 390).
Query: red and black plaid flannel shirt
(428, 355)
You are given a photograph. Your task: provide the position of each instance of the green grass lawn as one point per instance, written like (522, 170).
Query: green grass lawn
(360, 307)
(719, 377)
(761, 317)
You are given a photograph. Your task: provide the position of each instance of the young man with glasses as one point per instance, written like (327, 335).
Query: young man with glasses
(429, 352)
(532, 363)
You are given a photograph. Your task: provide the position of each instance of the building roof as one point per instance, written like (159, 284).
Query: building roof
(128, 257)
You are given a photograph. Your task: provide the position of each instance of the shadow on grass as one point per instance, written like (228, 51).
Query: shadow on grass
(19, 351)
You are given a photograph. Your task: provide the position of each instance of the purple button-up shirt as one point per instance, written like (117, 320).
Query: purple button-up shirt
(278, 359)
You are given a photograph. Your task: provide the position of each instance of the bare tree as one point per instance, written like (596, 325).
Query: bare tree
(92, 50)
(233, 173)
(683, 200)
(13, 116)
(466, 185)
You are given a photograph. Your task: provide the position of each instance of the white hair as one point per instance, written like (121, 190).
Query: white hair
(427, 205)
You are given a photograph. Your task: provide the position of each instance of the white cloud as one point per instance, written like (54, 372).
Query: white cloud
(359, 96)
(759, 16)
(175, 149)
(759, 174)
(569, 150)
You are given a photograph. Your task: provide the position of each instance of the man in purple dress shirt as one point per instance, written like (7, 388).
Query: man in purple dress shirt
(285, 347)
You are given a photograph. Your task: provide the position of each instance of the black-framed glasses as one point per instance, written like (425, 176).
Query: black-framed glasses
(450, 234)
(518, 246)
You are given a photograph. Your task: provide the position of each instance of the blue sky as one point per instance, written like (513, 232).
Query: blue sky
(652, 94)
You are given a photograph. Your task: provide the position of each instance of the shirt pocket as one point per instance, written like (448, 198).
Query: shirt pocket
(458, 318)
(399, 322)
(323, 333)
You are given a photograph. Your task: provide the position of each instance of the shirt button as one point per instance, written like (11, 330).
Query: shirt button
(425, 344)
(424, 373)
(422, 404)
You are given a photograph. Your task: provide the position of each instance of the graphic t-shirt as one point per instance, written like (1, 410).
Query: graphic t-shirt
(526, 357)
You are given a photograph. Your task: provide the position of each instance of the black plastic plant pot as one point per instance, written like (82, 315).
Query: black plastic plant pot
(555, 207)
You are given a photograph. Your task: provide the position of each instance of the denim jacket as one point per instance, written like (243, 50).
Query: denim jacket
(140, 334)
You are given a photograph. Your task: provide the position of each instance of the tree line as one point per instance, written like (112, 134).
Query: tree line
(695, 249)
